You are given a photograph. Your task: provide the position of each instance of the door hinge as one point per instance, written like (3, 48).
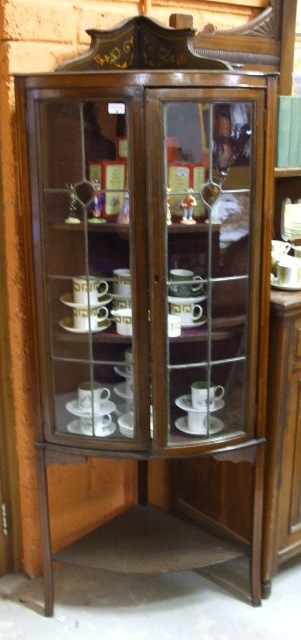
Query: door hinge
(4, 519)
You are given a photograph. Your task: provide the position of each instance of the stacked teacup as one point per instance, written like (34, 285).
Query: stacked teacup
(184, 297)
(89, 302)
(126, 390)
(125, 370)
(122, 301)
(93, 409)
(203, 400)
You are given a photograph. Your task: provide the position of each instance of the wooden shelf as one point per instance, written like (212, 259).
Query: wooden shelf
(147, 540)
(287, 173)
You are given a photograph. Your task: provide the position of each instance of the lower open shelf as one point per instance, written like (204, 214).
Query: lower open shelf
(147, 540)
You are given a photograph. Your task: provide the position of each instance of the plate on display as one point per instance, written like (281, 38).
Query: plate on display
(121, 391)
(181, 300)
(216, 425)
(103, 432)
(195, 323)
(67, 323)
(107, 406)
(69, 301)
(120, 296)
(122, 371)
(185, 402)
(126, 424)
(284, 287)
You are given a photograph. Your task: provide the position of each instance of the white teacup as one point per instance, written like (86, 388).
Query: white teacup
(203, 396)
(87, 425)
(122, 282)
(88, 290)
(123, 319)
(289, 271)
(86, 319)
(197, 421)
(122, 303)
(279, 249)
(91, 394)
(186, 283)
(174, 326)
(128, 357)
(187, 311)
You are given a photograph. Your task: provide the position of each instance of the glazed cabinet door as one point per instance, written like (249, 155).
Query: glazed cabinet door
(90, 265)
(205, 193)
(146, 215)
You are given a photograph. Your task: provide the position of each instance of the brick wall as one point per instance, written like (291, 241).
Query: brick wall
(37, 36)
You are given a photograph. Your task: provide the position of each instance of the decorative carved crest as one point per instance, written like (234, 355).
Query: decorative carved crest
(141, 43)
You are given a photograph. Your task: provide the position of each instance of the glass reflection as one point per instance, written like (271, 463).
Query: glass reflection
(208, 177)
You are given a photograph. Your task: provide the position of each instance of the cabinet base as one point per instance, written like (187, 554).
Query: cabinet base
(147, 540)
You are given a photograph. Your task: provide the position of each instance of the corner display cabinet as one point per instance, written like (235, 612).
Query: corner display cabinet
(145, 185)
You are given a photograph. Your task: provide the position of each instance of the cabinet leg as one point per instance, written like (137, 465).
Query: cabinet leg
(45, 534)
(266, 588)
(255, 563)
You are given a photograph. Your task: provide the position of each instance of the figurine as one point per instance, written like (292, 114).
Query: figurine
(187, 204)
(124, 215)
(72, 218)
(96, 208)
(168, 214)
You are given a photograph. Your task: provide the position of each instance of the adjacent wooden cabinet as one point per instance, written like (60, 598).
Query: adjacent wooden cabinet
(153, 185)
(282, 522)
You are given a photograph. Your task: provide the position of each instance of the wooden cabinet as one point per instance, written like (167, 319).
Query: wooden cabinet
(282, 521)
(146, 199)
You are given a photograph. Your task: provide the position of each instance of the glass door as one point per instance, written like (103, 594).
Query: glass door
(209, 280)
(89, 317)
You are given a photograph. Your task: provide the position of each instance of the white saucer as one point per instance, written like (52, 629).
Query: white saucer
(123, 372)
(196, 323)
(216, 425)
(67, 323)
(127, 433)
(182, 299)
(69, 301)
(185, 402)
(120, 296)
(106, 407)
(126, 424)
(120, 390)
(285, 287)
(104, 432)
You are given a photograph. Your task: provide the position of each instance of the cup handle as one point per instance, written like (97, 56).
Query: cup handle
(199, 285)
(104, 394)
(102, 288)
(197, 312)
(287, 247)
(103, 314)
(219, 392)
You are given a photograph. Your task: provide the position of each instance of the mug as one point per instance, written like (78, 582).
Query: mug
(279, 249)
(123, 319)
(289, 271)
(197, 421)
(88, 290)
(187, 311)
(186, 283)
(91, 394)
(203, 396)
(86, 319)
(122, 282)
(174, 326)
(100, 423)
